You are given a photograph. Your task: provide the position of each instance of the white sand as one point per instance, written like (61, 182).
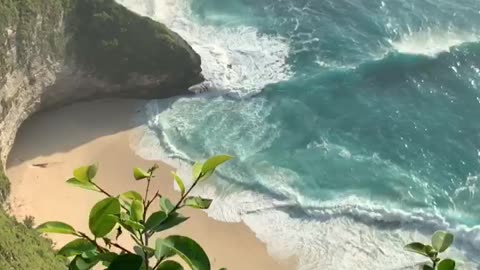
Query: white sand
(99, 132)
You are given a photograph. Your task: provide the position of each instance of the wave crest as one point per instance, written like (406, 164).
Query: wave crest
(239, 60)
(341, 233)
(432, 43)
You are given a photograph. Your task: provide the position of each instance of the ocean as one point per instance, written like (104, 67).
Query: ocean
(354, 123)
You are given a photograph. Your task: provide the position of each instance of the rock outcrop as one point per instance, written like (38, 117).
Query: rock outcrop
(58, 52)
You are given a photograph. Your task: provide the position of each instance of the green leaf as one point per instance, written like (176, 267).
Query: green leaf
(446, 264)
(166, 205)
(81, 184)
(431, 252)
(141, 250)
(162, 251)
(136, 210)
(211, 164)
(170, 265)
(172, 220)
(102, 218)
(441, 240)
(80, 263)
(131, 195)
(107, 258)
(130, 224)
(198, 202)
(179, 182)
(197, 170)
(89, 254)
(191, 252)
(417, 248)
(85, 173)
(426, 267)
(140, 174)
(76, 247)
(154, 220)
(56, 227)
(126, 262)
(92, 171)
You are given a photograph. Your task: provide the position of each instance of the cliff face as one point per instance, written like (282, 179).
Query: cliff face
(57, 52)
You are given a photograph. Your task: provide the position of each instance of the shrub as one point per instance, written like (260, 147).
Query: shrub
(29, 222)
(128, 212)
(440, 242)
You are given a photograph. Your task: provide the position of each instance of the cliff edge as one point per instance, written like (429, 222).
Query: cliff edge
(57, 52)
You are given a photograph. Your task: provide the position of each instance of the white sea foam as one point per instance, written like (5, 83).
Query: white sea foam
(347, 232)
(239, 60)
(341, 233)
(432, 42)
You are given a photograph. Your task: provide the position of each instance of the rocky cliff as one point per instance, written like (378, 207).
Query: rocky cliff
(55, 52)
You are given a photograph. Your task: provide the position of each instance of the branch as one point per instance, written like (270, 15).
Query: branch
(146, 205)
(186, 193)
(158, 262)
(103, 249)
(121, 248)
(177, 206)
(146, 191)
(102, 190)
(151, 201)
(108, 195)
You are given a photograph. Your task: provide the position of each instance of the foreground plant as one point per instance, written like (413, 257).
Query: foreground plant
(128, 211)
(441, 240)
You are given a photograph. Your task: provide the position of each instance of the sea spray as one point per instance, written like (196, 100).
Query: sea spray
(238, 60)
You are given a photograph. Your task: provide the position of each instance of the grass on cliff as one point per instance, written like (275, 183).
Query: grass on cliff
(113, 42)
(22, 248)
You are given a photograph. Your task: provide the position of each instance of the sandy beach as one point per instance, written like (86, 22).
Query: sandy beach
(100, 132)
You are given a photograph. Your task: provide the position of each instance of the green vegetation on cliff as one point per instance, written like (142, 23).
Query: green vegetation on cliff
(99, 36)
(39, 35)
(114, 42)
(22, 248)
(4, 186)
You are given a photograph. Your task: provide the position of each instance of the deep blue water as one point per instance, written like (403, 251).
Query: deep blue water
(369, 109)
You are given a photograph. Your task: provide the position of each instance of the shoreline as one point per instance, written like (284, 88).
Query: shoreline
(100, 131)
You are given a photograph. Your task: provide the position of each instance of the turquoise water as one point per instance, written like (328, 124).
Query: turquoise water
(349, 117)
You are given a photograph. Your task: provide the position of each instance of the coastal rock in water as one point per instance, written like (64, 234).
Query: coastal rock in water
(58, 52)
(203, 87)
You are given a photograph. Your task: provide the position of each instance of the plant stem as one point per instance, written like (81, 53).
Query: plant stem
(434, 262)
(102, 249)
(146, 191)
(121, 248)
(102, 190)
(186, 193)
(151, 201)
(158, 262)
(177, 206)
(146, 204)
(108, 195)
